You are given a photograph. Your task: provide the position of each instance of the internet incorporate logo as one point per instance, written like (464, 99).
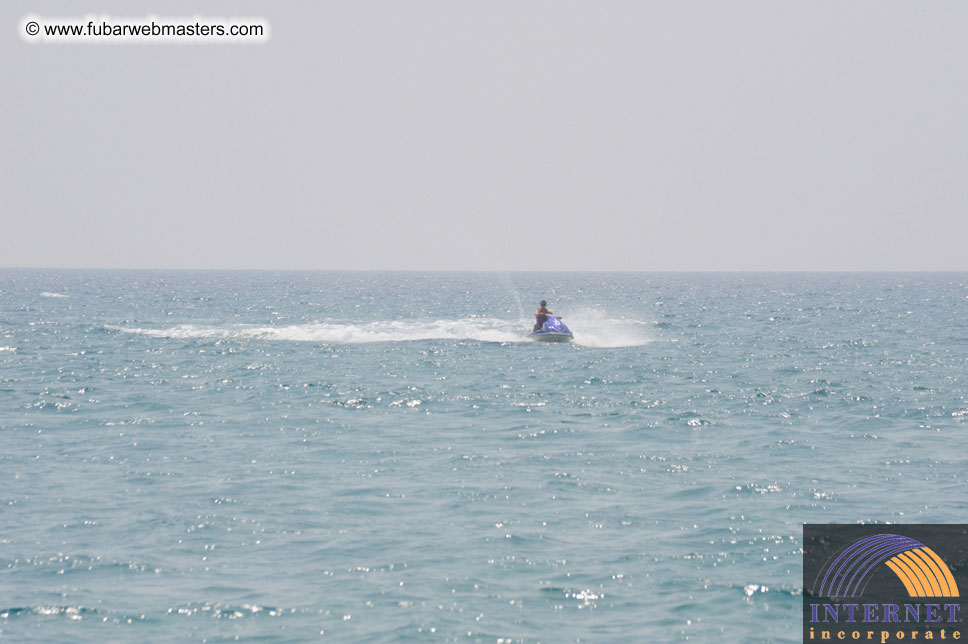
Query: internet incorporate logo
(909, 591)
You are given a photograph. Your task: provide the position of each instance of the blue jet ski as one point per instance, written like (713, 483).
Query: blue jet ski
(553, 330)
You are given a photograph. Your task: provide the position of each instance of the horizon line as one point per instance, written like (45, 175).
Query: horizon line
(476, 270)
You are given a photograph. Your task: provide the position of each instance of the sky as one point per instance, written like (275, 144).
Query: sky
(503, 135)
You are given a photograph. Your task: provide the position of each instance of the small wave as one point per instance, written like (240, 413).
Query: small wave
(229, 611)
(49, 294)
(482, 330)
(73, 612)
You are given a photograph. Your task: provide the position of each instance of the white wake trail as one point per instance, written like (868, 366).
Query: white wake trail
(480, 329)
(593, 328)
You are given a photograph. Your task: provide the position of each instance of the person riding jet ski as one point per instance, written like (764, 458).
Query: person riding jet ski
(548, 327)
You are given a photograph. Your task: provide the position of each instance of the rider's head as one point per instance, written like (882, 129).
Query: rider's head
(543, 303)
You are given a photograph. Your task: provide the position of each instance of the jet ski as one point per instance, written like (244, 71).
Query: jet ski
(553, 330)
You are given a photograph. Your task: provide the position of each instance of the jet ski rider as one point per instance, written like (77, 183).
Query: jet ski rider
(541, 315)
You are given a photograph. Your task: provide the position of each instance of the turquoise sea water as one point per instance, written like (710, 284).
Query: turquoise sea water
(383, 457)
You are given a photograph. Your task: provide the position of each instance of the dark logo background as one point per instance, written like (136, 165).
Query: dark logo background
(823, 542)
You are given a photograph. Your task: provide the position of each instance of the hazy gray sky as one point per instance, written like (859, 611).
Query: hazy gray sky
(719, 135)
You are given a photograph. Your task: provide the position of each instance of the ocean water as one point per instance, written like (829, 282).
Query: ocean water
(383, 457)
